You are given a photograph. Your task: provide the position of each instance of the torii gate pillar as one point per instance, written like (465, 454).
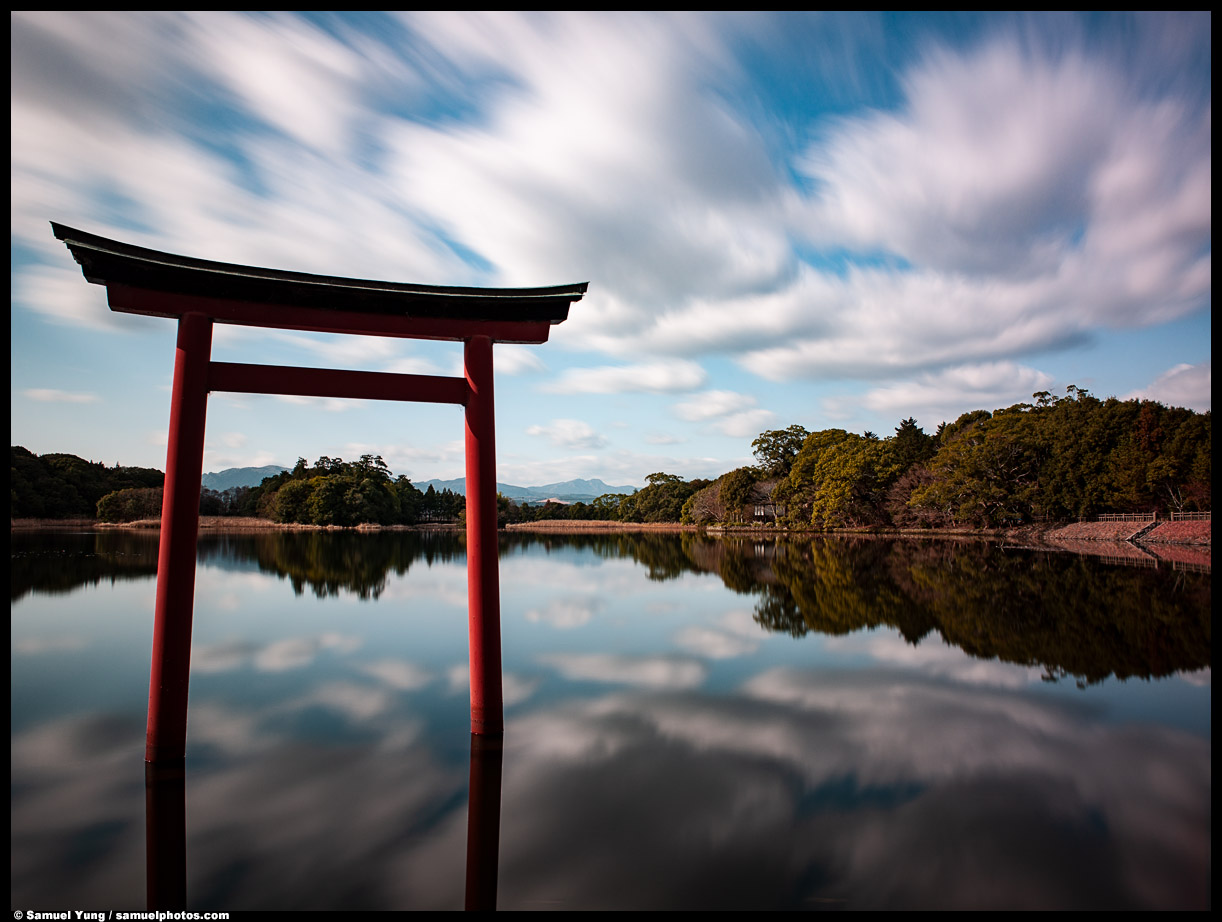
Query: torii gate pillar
(199, 293)
(483, 573)
(166, 735)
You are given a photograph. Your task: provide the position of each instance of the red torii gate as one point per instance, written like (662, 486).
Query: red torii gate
(200, 292)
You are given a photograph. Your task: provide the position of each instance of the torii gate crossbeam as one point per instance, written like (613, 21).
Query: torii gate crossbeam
(199, 293)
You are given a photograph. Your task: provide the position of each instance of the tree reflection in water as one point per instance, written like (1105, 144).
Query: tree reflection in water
(639, 772)
(1065, 613)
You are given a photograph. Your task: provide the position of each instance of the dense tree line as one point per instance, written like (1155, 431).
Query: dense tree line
(60, 486)
(661, 500)
(1054, 459)
(330, 492)
(1069, 458)
(335, 492)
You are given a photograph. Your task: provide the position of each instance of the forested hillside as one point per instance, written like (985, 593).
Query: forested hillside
(1055, 459)
(335, 492)
(59, 486)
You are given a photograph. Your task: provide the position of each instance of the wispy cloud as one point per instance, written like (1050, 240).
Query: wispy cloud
(36, 646)
(295, 652)
(330, 404)
(51, 395)
(399, 674)
(1182, 386)
(514, 359)
(712, 405)
(732, 635)
(729, 412)
(1033, 197)
(940, 396)
(56, 294)
(653, 377)
(937, 659)
(565, 613)
(880, 209)
(648, 671)
(570, 433)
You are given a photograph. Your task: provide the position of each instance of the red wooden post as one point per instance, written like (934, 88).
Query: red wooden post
(166, 736)
(483, 581)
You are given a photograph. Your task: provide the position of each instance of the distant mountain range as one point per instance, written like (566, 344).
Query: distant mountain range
(240, 477)
(569, 491)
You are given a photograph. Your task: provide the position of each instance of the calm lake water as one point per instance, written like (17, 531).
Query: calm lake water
(691, 722)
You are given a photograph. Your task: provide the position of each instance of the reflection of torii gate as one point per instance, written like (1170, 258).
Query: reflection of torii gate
(198, 293)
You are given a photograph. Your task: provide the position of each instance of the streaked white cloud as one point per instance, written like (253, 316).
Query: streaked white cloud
(714, 644)
(58, 296)
(987, 195)
(995, 764)
(941, 396)
(1182, 386)
(935, 658)
(596, 120)
(1202, 678)
(515, 359)
(221, 657)
(52, 395)
(728, 412)
(663, 438)
(1034, 197)
(732, 635)
(570, 433)
(615, 466)
(399, 674)
(330, 404)
(419, 461)
(647, 671)
(296, 652)
(650, 377)
(747, 424)
(357, 702)
(36, 646)
(516, 688)
(712, 405)
(278, 656)
(290, 74)
(565, 613)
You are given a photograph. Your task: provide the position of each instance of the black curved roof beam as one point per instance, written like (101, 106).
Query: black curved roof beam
(143, 281)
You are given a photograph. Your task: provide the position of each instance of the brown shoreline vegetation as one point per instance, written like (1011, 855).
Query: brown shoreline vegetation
(1046, 535)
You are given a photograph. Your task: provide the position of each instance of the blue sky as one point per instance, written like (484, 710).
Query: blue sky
(830, 220)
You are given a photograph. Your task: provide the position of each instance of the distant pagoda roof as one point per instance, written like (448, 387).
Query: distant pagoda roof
(144, 281)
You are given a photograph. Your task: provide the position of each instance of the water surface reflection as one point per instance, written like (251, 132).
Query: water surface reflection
(691, 723)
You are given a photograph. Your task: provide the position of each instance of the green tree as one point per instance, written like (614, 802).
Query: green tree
(661, 500)
(735, 492)
(910, 445)
(987, 472)
(777, 449)
(852, 478)
(130, 505)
